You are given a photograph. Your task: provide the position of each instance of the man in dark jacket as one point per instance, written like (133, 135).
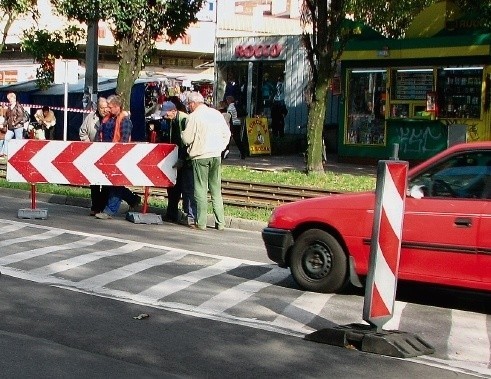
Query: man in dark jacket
(184, 182)
(14, 119)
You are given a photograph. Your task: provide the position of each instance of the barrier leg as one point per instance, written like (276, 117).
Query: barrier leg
(146, 193)
(33, 212)
(143, 217)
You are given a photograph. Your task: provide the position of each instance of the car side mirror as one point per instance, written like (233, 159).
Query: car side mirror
(416, 192)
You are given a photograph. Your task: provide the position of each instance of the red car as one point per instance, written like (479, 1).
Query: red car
(446, 237)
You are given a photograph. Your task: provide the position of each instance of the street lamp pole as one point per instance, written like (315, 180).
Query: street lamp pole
(91, 61)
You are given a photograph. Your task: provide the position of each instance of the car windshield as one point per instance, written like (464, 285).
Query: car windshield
(467, 175)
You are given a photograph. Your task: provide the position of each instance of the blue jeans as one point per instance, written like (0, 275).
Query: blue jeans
(116, 195)
(15, 133)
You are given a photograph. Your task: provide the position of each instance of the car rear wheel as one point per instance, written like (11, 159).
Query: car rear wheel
(318, 262)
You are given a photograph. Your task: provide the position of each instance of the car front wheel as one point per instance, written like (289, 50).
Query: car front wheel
(318, 262)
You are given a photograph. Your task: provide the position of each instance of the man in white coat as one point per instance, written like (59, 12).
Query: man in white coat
(206, 135)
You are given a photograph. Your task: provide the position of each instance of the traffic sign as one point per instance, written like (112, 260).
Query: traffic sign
(91, 163)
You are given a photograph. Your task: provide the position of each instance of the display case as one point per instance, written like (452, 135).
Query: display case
(459, 92)
(366, 107)
(411, 84)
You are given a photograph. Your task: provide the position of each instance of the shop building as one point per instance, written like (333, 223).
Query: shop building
(421, 93)
(256, 69)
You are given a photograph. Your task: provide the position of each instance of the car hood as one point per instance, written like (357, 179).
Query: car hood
(337, 209)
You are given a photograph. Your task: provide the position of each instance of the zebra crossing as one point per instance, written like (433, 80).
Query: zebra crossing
(225, 289)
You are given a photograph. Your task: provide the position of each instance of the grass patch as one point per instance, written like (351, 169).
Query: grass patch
(329, 181)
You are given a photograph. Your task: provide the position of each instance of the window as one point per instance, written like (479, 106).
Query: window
(366, 107)
(463, 176)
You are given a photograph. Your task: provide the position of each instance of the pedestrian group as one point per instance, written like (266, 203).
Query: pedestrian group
(201, 138)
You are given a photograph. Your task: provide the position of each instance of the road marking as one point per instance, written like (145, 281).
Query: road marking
(468, 339)
(18, 257)
(297, 318)
(10, 228)
(81, 260)
(181, 282)
(301, 311)
(235, 295)
(105, 278)
(33, 237)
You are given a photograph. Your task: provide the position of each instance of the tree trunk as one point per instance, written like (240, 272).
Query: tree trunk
(315, 126)
(130, 65)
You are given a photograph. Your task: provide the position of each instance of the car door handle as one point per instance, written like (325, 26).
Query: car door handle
(463, 222)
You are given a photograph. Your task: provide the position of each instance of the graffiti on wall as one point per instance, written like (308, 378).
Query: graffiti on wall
(420, 140)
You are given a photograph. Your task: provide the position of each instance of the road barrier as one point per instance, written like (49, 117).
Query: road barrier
(91, 163)
(380, 291)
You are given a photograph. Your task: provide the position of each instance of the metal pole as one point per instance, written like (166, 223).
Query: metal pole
(65, 115)
(91, 60)
(395, 152)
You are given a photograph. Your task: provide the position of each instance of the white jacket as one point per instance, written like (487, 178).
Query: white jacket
(206, 134)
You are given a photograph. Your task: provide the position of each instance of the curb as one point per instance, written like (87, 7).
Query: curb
(230, 222)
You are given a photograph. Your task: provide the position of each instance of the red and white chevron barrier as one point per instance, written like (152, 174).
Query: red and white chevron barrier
(385, 249)
(37, 106)
(86, 163)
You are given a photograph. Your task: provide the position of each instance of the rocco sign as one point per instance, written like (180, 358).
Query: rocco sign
(258, 51)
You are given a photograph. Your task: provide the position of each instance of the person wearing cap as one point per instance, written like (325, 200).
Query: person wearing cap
(184, 182)
(206, 135)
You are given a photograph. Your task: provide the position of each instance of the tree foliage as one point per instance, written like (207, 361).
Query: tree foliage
(11, 10)
(135, 24)
(325, 36)
(46, 46)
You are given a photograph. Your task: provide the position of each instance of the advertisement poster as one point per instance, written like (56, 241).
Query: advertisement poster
(258, 135)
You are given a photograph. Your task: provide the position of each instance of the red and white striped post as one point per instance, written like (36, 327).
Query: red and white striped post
(380, 291)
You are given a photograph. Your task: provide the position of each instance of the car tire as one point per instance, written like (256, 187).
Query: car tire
(318, 262)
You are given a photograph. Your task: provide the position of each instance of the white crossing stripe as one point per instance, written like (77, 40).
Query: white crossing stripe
(18, 257)
(33, 237)
(235, 295)
(468, 339)
(300, 312)
(181, 282)
(81, 260)
(11, 228)
(101, 280)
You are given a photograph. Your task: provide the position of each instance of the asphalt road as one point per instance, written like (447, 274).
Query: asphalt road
(72, 285)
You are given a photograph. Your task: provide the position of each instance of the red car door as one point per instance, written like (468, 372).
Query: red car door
(484, 246)
(439, 241)
(443, 221)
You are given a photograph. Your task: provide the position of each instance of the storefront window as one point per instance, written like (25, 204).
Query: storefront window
(459, 92)
(411, 84)
(366, 106)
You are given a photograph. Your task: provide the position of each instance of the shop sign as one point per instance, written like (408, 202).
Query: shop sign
(258, 51)
(465, 24)
(258, 135)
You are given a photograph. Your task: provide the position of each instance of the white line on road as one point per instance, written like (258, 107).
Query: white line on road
(235, 295)
(18, 257)
(33, 237)
(81, 260)
(181, 282)
(303, 310)
(468, 339)
(101, 280)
